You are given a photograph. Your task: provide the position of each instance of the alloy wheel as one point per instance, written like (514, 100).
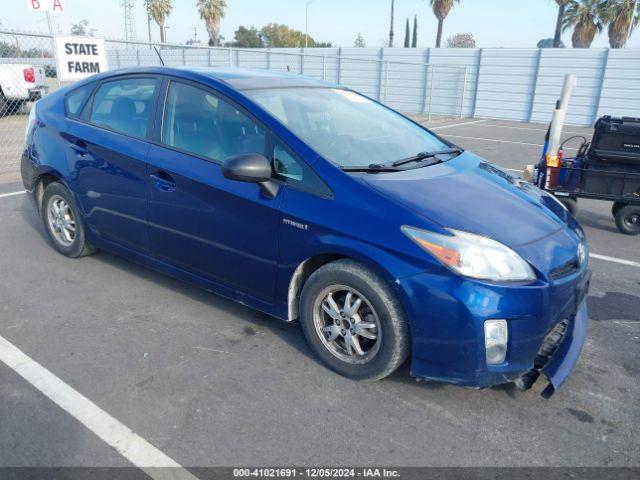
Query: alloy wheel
(62, 223)
(347, 324)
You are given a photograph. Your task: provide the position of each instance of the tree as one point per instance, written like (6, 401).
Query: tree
(407, 35)
(441, 9)
(549, 43)
(159, 10)
(623, 16)
(461, 40)
(414, 40)
(82, 28)
(586, 19)
(247, 38)
(393, 5)
(360, 43)
(212, 11)
(275, 35)
(562, 4)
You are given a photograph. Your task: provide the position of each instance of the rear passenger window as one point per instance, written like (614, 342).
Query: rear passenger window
(124, 106)
(201, 123)
(74, 101)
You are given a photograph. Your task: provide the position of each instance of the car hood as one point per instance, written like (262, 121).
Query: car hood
(470, 194)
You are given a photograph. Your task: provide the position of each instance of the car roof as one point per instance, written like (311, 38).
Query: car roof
(236, 78)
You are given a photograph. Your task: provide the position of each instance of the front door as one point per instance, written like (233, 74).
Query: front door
(109, 151)
(223, 230)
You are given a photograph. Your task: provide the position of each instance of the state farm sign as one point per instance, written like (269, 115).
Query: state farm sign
(79, 57)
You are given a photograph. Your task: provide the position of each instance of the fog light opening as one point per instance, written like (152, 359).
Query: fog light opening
(495, 341)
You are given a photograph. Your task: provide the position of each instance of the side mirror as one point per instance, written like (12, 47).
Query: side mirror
(251, 168)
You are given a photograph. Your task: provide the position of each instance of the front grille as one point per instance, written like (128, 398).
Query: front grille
(568, 268)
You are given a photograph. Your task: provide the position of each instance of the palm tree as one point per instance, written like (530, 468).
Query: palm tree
(407, 35)
(211, 11)
(159, 10)
(441, 9)
(586, 19)
(561, 8)
(623, 16)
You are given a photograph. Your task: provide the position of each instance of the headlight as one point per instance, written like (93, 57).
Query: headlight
(473, 255)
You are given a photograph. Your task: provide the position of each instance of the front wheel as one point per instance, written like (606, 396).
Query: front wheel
(63, 223)
(615, 207)
(570, 204)
(628, 219)
(354, 321)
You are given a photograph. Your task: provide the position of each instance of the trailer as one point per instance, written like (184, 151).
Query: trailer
(605, 168)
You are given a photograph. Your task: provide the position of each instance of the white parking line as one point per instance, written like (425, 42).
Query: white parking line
(542, 130)
(456, 124)
(621, 261)
(130, 445)
(504, 141)
(12, 194)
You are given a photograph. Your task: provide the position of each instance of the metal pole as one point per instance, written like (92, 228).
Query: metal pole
(324, 67)
(464, 89)
(306, 24)
(53, 44)
(149, 30)
(433, 72)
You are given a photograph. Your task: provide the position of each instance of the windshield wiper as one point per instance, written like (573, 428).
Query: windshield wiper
(415, 158)
(374, 167)
(424, 155)
(393, 166)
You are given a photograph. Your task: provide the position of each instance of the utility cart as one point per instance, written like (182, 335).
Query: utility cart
(605, 168)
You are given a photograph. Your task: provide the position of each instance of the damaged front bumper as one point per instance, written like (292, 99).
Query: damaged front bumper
(547, 328)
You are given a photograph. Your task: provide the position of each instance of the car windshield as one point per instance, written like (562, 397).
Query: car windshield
(346, 128)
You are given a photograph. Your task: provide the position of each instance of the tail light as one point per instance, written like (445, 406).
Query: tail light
(29, 75)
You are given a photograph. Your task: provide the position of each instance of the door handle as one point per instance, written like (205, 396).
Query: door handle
(163, 181)
(80, 151)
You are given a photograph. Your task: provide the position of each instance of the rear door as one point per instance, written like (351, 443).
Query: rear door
(220, 229)
(109, 147)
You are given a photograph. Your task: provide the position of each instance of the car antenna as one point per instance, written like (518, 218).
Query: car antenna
(159, 56)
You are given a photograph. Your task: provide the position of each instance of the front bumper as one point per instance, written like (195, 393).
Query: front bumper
(36, 93)
(447, 315)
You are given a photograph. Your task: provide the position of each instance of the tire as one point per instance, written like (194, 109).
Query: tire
(56, 198)
(570, 203)
(379, 308)
(4, 106)
(628, 219)
(615, 207)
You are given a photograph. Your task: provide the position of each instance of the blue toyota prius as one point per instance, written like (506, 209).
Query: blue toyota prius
(309, 201)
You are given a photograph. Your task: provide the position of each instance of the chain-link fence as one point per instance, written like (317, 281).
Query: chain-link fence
(28, 71)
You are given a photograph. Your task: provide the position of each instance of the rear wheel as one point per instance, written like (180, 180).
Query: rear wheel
(63, 223)
(353, 321)
(628, 219)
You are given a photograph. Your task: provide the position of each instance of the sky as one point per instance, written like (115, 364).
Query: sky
(493, 23)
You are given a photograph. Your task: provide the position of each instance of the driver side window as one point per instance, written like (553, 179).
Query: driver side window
(291, 170)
